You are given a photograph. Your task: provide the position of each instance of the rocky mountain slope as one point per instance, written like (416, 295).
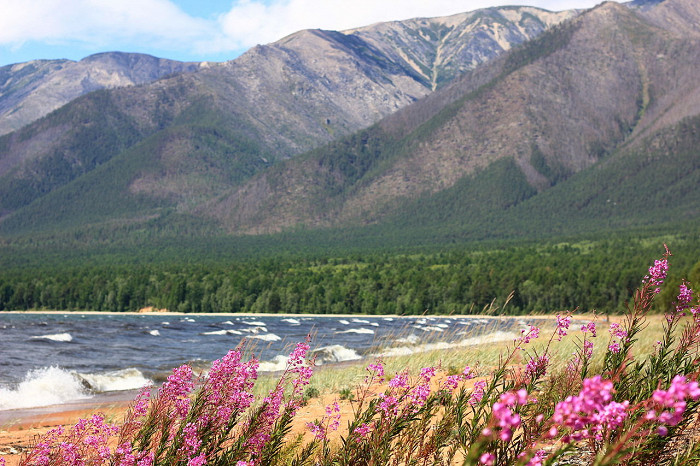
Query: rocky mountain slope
(183, 140)
(615, 84)
(31, 90)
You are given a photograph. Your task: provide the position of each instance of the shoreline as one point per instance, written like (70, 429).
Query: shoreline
(587, 315)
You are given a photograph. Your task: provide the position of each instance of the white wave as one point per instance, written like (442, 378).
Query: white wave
(125, 379)
(442, 325)
(412, 339)
(360, 321)
(265, 337)
(223, 332)
(335, 353)
(292, 321)
(374, 324)
(388, 319)
(43, 387)
(155, 333)
(429, 328)
(259, 324)
(422, 321)
(228, 322)
(344, 322)
(255, 330)
(362, 331)
(165, 323)
(66, 337)
(187, 319)
(443, 345)
(278, 363)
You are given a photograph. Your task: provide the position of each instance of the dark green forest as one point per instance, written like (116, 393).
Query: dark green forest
(531, 278)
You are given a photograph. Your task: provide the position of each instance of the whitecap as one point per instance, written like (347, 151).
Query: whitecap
(374, 324)
(335, 353)
(344, 322)
(429, 328)
(442, 325)
(265, 337)
(292, 321)
(155, 333)
(278, 363)
(255, 330)
(388, 319)
(360, 321)
(477, 340)
(223, 332)
(64, 337)
(259, 324)
(125, 379)
(228, 322)
(187, 319)
(366, 331)
(43, 387)
(165, 323)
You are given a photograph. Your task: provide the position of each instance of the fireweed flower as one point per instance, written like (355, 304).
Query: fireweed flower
(388, 405)
(376, 370)
(487, 459)
(657, 274)
(400, 380)
(177, 388)
(685, 297)
(477, 393)
(528, 334)
(332, 417)
(589, 327)
(590, 412)
(673, 400)
(505, 418)
(562, 326)
(363, 430)
(537, 367)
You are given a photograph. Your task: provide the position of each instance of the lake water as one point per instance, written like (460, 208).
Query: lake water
(50, 359)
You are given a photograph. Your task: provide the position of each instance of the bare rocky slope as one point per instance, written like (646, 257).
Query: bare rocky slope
(32, 89)
(612, 82)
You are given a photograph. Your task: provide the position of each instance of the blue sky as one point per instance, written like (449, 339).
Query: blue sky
(198, 30)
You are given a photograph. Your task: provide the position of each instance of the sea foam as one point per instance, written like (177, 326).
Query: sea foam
(43, 387)
(64, 337)
(125, 379)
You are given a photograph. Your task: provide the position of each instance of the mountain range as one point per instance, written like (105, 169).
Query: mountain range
(505, 121)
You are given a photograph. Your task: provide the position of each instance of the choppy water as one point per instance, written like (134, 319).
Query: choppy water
(48, 359)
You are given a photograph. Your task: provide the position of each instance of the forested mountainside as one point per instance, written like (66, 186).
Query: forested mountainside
(173, 144)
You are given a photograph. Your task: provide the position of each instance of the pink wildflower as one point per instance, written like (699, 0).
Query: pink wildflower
(477, 393)
(592, 411)
(562, 325)
(487, 459)
(400, 380)
(363, 430)
(589, 327)
(587, 349)
(388, 405)
(506, 419)
(376, 369)
(674, 399)
(200, 460)
(685, 297)
(657, 274)
(537, 367)
(531, 333)
(427, 373)
(614, 347)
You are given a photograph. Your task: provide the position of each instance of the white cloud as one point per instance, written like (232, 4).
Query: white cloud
(96, 21)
